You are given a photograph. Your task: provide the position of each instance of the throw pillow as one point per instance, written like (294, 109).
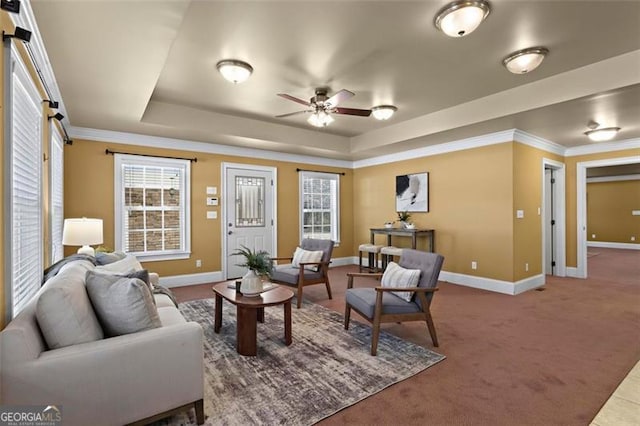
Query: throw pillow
(104, 258)
(122, 266)
(123, 305)
(398, 277)
(65, 315)
(141, 275)
(304, 256)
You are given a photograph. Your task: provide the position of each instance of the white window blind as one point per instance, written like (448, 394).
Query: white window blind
(319, 205)
(25, 188)
(56, 194)
(152, 207)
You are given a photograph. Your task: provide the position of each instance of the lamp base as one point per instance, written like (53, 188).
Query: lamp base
(87, 250)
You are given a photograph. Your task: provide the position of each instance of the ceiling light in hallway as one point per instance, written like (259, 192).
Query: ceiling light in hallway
(383, 112)
(461, 18)
(601, 134)
(234, 70)
(525, 60)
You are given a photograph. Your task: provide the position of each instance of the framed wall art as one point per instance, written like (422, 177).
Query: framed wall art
(412, 192)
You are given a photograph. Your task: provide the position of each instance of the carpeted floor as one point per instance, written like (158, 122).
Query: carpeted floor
(325, 369)
(540, 358)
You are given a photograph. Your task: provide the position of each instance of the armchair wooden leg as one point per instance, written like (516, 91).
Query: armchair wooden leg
(375, 334)
(347, 316)
(432, 327)
(328, 288)
(199, 406)
(299, 303)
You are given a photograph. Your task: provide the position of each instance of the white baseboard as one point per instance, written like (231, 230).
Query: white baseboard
(498, 286)
(343, 261)
(572, 272)
(604, 244)
(191, 279)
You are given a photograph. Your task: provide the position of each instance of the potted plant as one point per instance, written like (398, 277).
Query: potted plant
(404, 217)
(260, 265)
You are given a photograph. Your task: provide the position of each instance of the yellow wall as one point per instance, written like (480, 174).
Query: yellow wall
(571, 167)
(89, 191)
(470, 204)
(609, 206)
(527, 196)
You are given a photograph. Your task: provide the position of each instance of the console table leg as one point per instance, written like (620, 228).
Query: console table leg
(246, 331)
(287, 323)
(217, 323)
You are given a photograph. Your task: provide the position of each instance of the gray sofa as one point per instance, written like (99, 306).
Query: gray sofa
(110, 381)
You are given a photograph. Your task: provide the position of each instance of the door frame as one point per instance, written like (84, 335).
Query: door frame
(581, 206)
(559, 212)
(223, 207)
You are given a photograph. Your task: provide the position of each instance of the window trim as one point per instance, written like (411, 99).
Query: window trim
(322, 175)
(122, 159)
(55, 139)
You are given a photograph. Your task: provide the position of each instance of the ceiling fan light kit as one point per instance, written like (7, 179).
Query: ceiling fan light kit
(322, 106)
(383, 112)
(461, 18)
(234, 70)
(525, 60)
(320, 119)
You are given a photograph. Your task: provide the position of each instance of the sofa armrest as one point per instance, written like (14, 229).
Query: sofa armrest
(108, 379)
(154, 278)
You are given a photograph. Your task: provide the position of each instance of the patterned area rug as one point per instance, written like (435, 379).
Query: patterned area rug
(326, 368)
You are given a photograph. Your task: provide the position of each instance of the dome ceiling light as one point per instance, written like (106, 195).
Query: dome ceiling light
(601, 134)
(525, 60)
(461, 18)
(383, 112)
(234, 70)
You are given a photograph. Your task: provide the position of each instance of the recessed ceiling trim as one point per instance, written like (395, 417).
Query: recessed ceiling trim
(125, 138)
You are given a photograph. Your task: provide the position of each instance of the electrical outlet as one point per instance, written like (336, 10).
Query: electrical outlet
(526, 267)
(593, 236)
(633, 238)
(198, 263)
(474, 265)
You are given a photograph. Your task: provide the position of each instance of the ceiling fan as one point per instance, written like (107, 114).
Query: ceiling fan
(321, 106)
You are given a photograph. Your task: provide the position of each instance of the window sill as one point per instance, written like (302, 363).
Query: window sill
(160, 257)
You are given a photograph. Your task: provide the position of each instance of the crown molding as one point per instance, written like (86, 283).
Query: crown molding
(444, 148)
(601, 147)
(537, 142)
(27, 20)
(125, 138)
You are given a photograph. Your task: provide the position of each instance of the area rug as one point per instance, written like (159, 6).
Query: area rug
(326, 368)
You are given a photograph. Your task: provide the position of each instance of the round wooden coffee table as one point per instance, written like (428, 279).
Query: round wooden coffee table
(250, 310)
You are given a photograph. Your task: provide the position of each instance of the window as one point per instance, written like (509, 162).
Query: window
(319, 205)
(56, 194)
(23, 227)
(152, 207)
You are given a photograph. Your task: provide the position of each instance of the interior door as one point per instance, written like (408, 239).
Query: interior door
(549, 218)
(249, 214)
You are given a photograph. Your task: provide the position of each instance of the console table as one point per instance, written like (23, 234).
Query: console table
(403, 232)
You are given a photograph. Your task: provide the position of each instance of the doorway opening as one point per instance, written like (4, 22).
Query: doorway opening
(553, 218)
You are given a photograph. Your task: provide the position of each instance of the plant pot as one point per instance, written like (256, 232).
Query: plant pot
(251, 283)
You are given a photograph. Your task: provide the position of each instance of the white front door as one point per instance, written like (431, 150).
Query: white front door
(249, 213)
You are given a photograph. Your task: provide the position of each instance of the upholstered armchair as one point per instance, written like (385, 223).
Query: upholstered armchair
(306, 273)
(382, 304)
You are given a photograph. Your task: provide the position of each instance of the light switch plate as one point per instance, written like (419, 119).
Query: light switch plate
(212, 214)
(212, 190)
(519, 214)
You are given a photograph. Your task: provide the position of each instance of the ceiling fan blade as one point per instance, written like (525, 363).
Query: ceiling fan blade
(353, 111)
(293, 113)
(294, 99)
(342, 95)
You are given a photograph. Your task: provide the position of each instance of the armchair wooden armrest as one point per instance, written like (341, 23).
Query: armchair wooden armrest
(351, 275)
(282, 258)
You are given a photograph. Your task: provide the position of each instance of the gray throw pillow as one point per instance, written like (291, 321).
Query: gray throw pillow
(103, 258)
(123, 305)
(65, 315)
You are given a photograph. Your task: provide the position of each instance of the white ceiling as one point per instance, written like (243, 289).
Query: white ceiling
(148, 67)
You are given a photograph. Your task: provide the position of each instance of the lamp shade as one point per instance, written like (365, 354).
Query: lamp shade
(234, 70)
(82, 232)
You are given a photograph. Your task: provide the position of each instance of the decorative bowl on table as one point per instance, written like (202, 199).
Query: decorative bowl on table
(388, 225)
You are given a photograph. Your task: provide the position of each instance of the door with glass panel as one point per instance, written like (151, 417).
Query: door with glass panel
(249, 206)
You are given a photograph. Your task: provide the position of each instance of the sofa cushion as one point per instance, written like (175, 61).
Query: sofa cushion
(65, 315)
(364, 301)
(123, 305)
(396, 276)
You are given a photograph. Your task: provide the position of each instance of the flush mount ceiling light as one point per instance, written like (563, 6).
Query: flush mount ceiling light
(320, 119)
(383, 112)
(461, 18)
(234, 70)
(525, 60)
(601, 134)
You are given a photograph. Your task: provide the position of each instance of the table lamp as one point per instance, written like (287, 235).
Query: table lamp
(82, 232)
